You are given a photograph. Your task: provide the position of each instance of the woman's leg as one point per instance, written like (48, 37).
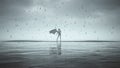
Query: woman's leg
(57, 38)
(60, 37)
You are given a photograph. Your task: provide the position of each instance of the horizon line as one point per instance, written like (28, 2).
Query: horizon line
(61, 41)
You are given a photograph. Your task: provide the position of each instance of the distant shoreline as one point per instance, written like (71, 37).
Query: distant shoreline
(55, 41)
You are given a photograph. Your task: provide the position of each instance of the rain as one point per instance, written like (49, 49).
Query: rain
(32, 32)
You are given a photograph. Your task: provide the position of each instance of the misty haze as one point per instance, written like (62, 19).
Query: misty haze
(59, 34)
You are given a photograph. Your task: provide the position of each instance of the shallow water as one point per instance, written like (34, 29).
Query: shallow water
(74, 55)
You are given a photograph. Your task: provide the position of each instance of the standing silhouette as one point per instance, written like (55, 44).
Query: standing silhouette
(59, 35)
(54, 31)
(58, 40)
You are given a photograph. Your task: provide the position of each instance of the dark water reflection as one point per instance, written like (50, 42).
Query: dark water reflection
(74, 55)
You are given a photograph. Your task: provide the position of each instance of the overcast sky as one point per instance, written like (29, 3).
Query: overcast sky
(78, 19)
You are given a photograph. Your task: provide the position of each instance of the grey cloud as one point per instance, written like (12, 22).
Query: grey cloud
(72, 7)
(13, 7)
(110, 4)
(69, 8)
(81, 8)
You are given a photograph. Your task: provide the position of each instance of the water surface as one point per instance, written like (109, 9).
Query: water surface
(74, 55)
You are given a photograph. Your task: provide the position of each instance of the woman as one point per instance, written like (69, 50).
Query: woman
(54, 31)
(59, 35)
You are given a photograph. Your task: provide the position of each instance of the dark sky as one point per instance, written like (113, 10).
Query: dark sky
(78, 19)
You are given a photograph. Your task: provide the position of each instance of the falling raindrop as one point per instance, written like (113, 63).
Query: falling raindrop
(94, 31)
(35, 19)
(75, 22)
(38, 29)
(45, 10)
(84, 25)
(82, 7)
(20, 28)
(40, 8)
(47, 25)
(112, 32)
(15, 19)
(11, 36)
(16, 25)
(67, 15)
(86, 33)
(7, 30)
(113, 27)
(62, 3)
(97, 38)
(26, 23)
(65, 21)
(56, 17)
